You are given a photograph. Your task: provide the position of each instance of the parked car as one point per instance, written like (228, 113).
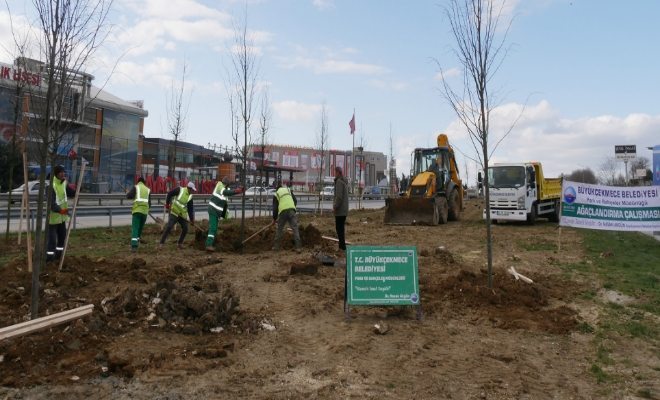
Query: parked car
(328, 193)
(33, 190)
(259, 193)
(371, 193)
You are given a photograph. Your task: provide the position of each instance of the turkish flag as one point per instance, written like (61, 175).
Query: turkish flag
(351, 124)
(72, 154)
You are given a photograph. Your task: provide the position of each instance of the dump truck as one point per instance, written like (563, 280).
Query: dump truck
(434, 194)
(520, 192)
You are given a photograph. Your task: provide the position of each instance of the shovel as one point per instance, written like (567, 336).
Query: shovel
(258, 232)
(156, 219)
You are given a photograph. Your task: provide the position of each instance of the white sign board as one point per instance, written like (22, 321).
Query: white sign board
(610, 208)
(625, 152)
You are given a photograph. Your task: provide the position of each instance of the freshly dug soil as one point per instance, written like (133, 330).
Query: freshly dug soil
(248, 322)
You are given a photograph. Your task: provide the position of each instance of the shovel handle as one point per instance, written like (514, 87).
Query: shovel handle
(258, 232)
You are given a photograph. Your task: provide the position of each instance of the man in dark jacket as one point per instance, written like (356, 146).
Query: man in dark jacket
(340, 206)
(59, 214)
(179, 202)
(284, 211)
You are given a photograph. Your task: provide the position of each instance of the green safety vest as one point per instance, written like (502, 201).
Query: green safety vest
(179, 204)
(218, 200)
(284, 199)
(141, 201)
(61, 200)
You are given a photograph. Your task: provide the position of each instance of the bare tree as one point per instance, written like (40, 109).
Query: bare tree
(392, 169)
(322, 144)
(242, 84)
(69, 32)
(641, 163)
(13, 158)
(265, 116)
(475, 25)
(609, 173)
(177, 114)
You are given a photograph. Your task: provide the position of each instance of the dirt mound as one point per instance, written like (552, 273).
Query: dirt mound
(510, 304)
(310, 236)
(228, 237)
(187, 309)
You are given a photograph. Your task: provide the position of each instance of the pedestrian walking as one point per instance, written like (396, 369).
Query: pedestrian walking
(284, 212)
(218, 209)
(141, 196)
(59, 214)
(340, 207)
(179, 202)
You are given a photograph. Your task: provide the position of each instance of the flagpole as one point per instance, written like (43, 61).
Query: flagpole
(353, 170)
(353, 153)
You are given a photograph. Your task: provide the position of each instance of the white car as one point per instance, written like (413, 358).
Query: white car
(33, 190)
(258, 193)
(328, 193)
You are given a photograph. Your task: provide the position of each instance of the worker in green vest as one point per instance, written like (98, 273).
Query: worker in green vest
(180, 204)
(284, 211)
(218, 209)
(141, 196)
(59, 214)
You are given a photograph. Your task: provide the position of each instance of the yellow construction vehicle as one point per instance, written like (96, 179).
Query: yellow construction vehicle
(435, 192)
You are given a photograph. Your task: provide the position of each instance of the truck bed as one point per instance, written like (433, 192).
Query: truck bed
(550, 189)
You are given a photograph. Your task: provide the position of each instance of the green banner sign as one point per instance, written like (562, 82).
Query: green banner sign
(382, 275)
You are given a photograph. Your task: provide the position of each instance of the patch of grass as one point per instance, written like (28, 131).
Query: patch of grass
(601, 376)
(603, 355)
(645, 393)
(585, 328)
(539, 246)
(627, 262)
(640, 329)
(588, 295)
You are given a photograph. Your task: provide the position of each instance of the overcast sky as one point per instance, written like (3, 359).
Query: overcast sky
(586, 73)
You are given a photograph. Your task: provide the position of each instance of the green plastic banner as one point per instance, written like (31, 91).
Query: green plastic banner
(382, 275)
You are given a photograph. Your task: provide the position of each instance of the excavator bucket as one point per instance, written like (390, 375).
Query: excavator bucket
(410, 211)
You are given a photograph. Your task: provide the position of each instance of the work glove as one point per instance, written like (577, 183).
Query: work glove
(167, 207)
(64, 211)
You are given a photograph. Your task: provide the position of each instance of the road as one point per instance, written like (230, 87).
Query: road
(120, 215)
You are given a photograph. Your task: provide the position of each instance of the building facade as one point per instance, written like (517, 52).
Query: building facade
(95, 126)
(312, 170)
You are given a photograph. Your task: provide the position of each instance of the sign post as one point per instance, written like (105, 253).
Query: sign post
(382, 275)
(626, 153)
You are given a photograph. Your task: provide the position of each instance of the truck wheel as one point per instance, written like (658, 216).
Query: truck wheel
(442, 210)
(454, 206)
(531, 217)
(554, 217)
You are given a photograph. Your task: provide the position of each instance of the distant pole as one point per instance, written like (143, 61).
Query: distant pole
(352, 127)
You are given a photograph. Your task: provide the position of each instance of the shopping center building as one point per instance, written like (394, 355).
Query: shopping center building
(107, 133)
(101, 129)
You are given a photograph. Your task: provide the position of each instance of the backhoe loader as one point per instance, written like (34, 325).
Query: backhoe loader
(435, 193)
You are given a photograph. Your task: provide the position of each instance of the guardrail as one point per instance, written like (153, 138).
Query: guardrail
(306, 204)
(102, 199)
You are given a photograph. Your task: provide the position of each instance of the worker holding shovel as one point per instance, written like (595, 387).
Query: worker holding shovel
(218, 209)
(141, 196)
(180, 208)
(284, 211)
(59, 214)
